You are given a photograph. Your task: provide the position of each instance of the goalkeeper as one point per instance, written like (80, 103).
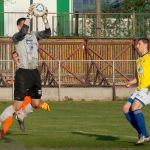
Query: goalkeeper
(27, 77)
(24, 111)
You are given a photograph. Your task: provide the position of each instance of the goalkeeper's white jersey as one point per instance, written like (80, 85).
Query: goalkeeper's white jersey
(27, 50)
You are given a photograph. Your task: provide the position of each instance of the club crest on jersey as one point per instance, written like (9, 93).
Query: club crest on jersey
(140, 69)
(29, 42)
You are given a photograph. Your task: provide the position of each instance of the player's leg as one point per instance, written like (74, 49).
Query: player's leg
(19, 114)
(26, 108)
(129, 113)
(7, 118)
(141, 99)
(36, 102)
(36, 92)
(8, 112)
(39, 104)
(139, 117)
(7, 123)
(21, 86)
(27, 100)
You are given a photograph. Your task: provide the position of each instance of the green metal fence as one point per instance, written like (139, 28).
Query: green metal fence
(104, 25)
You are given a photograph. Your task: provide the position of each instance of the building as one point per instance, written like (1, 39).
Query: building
(10, 10)
(62, 17)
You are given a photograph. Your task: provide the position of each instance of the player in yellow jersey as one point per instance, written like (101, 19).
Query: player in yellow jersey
(141, 97)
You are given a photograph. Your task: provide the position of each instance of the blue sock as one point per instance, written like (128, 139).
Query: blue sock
(131, 119)
(141, 122)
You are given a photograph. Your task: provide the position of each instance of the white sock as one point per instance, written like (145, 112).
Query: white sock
(23, 113)
(8, 111)
(28, 109)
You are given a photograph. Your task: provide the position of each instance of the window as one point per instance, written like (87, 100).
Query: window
(84, 5)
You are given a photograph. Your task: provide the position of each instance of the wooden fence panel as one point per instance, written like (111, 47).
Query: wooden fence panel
(79, 72)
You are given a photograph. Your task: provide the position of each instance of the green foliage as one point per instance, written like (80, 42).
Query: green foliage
(106, 6)
(135, 5)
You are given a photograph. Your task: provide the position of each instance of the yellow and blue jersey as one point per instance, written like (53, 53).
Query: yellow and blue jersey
(143, 71)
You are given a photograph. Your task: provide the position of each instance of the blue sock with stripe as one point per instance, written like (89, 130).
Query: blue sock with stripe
(139, 117)
(131, 119)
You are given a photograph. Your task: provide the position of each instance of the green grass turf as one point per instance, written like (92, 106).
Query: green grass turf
(71, 124)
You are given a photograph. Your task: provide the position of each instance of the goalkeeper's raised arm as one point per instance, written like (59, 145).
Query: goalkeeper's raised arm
(47, 32)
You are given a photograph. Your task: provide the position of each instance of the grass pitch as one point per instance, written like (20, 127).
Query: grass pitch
(76, 125)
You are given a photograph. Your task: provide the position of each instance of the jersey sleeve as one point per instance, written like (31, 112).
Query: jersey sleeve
(19, 36)
(43, 34)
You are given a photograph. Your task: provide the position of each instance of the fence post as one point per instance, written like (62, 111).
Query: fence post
(59, 80)
(76, 24)
(86, 62)
(133, 24)
(113, 86)
(37, 23)
(13, 74)
(31, 22)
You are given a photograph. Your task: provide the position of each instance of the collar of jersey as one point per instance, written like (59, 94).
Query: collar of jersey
(145, 54)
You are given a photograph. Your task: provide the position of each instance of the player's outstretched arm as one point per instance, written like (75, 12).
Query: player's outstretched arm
(131, 82)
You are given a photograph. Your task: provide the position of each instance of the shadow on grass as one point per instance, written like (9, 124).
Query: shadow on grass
(20, 134)
(98, 136)
(7, 139)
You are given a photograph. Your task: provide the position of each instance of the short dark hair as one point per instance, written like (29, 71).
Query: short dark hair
(20, 20)
(144, 40)
(14, 52)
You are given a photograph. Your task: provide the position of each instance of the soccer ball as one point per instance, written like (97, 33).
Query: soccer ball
(39, 10)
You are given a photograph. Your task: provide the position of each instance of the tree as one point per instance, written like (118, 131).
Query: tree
(135, 5)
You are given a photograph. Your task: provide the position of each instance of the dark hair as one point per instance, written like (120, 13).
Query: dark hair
(144, 40)
(20, 20)
(14, 52)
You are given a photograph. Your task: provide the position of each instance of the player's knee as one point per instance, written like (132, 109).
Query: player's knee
(125, 108)
(17, 108)
(35, 103)
(134, 107)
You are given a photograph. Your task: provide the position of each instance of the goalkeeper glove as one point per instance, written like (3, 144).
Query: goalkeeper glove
(30, 11)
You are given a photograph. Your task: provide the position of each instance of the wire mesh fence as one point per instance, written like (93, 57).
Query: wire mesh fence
(111, 25)
(87, 73)
(84, 73)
